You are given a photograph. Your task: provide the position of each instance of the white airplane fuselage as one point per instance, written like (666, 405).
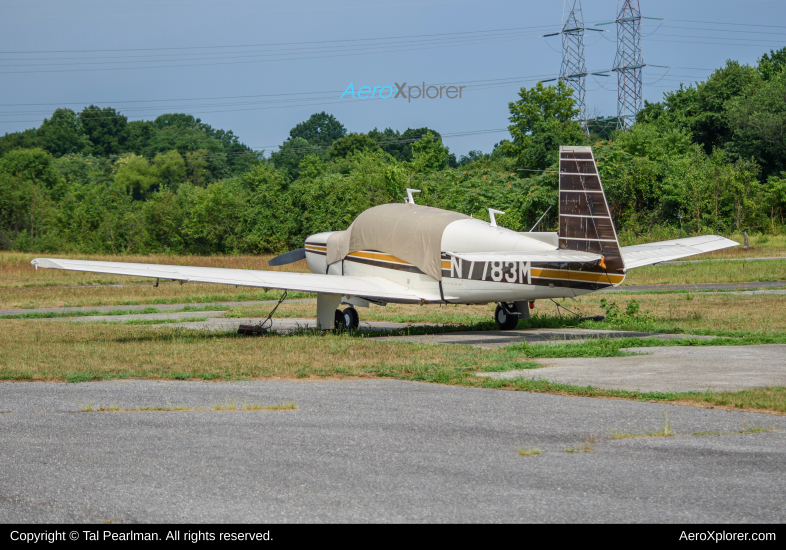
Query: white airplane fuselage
(465, 282)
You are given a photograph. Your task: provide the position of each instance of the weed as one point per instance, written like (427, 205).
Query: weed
(229, 404)
(631, 313)
(512, 365)
(748, 430)
(528, 452)
(289, 406)
(86, 408)
(570, 450)
(754, 430)
(664, 431)
(665, 428)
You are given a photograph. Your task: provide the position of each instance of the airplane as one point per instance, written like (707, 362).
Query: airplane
(413, 254)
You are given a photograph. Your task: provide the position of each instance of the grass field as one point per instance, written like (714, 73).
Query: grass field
(62, 351)
(21, 286)
(715, 313)
(51, 351)
(760, 246)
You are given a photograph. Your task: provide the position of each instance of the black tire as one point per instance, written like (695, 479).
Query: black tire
(339, 323)
(505, 321)
(351, 318)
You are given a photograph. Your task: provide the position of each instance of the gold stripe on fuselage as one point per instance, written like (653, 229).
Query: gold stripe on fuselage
(576, 276)
(536, 272)
(379, 256)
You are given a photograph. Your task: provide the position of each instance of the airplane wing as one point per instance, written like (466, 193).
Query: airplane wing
(550, 256)
(366, 287)
(653, 253)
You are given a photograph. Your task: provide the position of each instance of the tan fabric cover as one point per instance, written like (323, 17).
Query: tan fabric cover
(410, 232)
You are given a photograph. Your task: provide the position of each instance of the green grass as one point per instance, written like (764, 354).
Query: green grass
(598, 347)
(749, 430)
(75, 352)
(97, 313)
(708, 273)
(511, 365)
(528, 452)
(148, 322)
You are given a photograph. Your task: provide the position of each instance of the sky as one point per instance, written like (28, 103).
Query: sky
(260, 67)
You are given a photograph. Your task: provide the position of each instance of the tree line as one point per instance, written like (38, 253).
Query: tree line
(708, 158)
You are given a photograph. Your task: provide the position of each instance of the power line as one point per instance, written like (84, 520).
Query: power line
(730, 24)
(372, 48)
(259, 61)
(476, 84)
(279, 50)
(280, 43)
(313, 148)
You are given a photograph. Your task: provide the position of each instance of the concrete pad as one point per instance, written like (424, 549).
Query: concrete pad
(137, 317)
(698, 287)
(283, 324)
(719, 368)
(501, 338)
(681, 262)
(376, 451)
(160, 307)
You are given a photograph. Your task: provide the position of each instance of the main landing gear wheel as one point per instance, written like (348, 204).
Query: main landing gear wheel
(347, 319)
(505, 316)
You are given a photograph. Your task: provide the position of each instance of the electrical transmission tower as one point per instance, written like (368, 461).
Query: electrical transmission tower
(574, 71)
(628, 63)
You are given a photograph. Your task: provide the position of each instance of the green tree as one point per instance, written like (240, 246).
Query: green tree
(197, 167)
(63, 133)
(429, 155)
(701, 110)
(772, 64)
(351, 143)
(105, 128)
(36, 166)
(399, 145)
(26, 139)
(289, 155)
(319, 129)
(188, 140)
(28, 181)
(169, 169)
(135, 175)
(759, 124)
(270, 221)
(775, 197)
(541, 121)
(137, 135)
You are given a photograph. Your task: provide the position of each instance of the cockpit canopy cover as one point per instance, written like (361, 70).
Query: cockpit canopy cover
(410, 232)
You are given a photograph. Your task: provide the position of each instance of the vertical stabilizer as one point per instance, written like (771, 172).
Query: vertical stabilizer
(585, 222)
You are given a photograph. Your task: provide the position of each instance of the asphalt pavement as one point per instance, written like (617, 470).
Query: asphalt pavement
(377, 451)
(661, 369)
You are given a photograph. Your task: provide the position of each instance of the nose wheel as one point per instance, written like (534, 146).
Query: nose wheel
(506, 316)
(347, 319)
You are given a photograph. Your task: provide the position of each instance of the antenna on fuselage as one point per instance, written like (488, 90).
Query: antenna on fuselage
(540, 220)
(491, 215)
(410, 200)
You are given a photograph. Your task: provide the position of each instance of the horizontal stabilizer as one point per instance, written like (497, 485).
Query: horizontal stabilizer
(653, 253)
(371, 287)
(548, 256)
